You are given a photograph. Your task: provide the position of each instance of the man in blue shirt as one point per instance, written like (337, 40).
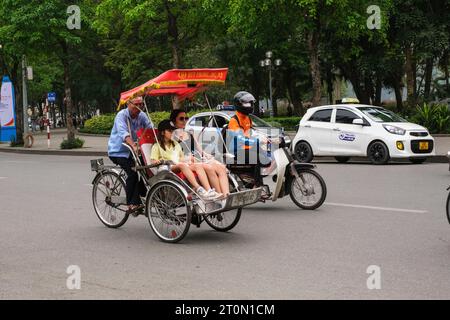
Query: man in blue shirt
(126, 124)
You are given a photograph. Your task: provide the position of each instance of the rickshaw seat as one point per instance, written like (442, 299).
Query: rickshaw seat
(146, 140)
(183, 177)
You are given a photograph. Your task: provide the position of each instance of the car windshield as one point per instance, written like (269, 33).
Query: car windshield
(381, 114)
(258, 122)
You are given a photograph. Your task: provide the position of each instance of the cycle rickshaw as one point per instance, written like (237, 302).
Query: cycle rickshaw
(171, 205)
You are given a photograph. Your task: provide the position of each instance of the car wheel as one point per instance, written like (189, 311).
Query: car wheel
(303, 152)
(378, 153)
(342, 159)
(417, 160)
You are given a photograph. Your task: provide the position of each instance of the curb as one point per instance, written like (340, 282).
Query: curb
(55, 152)
(92, 134)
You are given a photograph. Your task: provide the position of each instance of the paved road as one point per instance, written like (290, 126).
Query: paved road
(390, 216)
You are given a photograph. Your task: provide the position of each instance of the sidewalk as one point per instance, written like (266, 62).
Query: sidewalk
(95, 145)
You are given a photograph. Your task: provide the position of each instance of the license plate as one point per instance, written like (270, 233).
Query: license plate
(423, 145)
(244, 198)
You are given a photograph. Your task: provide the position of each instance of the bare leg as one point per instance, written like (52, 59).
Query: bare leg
(212, 176)
(202, 177)
(187, 172)
(221, 171)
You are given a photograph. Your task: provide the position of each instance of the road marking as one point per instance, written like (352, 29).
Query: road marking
(374, 208)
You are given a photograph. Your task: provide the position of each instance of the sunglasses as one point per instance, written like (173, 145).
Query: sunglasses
(183, 118)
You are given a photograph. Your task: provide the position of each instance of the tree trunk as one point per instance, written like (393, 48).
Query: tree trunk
(428, 76)
(68, 93)
(294, 95)
(398, 96)
(313, 51)
(256, 90)
(172, 31)
(445, 66)
(19, 113)
(378, 88)
(330, 86)
(369, 92)
(409, 76)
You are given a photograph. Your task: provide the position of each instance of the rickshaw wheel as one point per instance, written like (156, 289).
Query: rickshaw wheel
(168, 212)
(224, 221)
(106, 185)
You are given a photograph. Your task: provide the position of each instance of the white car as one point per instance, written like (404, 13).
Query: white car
(347, 130)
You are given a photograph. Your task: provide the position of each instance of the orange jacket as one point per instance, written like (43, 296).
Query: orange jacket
(244, 125)
(244, 121)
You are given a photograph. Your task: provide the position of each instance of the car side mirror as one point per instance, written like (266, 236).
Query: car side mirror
(358, 121)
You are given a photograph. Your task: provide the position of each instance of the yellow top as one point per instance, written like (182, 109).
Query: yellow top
(172, 153)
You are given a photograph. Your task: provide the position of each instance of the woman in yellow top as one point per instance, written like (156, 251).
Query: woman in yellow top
(170, 150)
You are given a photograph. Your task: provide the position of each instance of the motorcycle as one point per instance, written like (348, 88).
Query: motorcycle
(283, 176)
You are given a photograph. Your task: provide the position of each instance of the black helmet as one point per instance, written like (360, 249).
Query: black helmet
(244, 102)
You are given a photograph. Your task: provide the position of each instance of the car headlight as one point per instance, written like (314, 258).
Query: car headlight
(394, 130)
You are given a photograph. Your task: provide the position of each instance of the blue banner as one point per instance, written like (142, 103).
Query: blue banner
(7, 111)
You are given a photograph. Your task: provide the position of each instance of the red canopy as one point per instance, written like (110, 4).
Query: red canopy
(181, 82)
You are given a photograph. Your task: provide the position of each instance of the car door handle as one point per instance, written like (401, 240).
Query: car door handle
(307, 126)
(336, 129)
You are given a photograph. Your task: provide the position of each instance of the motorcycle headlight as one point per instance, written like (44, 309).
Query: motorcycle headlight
(394, 129)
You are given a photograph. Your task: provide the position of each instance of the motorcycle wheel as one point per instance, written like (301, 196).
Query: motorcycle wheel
(316, 190)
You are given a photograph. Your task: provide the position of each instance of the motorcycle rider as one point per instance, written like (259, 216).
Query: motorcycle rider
(241, 134)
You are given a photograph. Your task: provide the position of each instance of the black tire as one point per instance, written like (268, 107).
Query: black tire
(293, 187)
(342, 159)
(114, 185)
(378, 153)
(448, 207)
(174, 213)
(417, 160)
(224, 221)
(219, 222)
(303, 152)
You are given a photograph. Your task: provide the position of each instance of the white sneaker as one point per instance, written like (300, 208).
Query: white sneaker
(212, 194)
(202, 192)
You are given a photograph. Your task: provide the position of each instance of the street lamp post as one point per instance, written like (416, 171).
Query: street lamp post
(268, 63)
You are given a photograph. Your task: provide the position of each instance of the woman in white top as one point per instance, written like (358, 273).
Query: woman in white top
(197, 158)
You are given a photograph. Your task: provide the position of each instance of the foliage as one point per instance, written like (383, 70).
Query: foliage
(99, 124)
(125, 43)
(436, 118)
(72, 144)
(288, 123)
